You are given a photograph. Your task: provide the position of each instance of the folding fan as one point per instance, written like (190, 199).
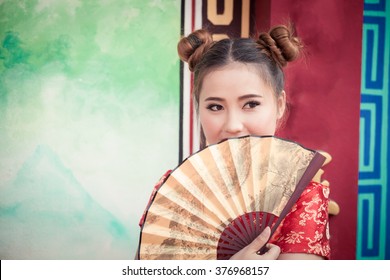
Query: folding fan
(222, 197)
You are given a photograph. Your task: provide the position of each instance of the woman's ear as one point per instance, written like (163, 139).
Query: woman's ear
(281, 104)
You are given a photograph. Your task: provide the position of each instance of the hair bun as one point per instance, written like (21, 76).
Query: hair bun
(192, 47)
(280, 44)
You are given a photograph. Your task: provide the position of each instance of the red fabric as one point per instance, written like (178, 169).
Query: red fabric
(304, 230)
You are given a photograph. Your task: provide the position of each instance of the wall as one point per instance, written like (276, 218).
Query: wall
(89, 116)
(324, 94)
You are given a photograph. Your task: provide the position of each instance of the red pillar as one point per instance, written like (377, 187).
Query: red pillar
(324, 94)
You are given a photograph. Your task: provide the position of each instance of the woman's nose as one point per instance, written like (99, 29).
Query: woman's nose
(233, 124)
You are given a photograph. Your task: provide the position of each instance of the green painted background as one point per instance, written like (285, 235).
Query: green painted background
(89, 116)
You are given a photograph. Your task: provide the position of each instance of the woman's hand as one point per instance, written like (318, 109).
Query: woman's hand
(250, 252)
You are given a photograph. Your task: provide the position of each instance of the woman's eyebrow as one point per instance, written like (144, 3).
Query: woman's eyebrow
(211, 98)
(247, 96)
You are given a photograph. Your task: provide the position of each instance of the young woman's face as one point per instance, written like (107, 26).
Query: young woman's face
(234, 101)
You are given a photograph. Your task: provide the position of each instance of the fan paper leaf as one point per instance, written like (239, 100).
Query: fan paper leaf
(222, 197)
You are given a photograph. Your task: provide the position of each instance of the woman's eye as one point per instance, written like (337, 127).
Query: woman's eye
(214, 107)
(251, 104)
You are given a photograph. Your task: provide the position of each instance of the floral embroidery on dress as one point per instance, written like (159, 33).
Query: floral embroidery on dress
(294, 237)
(314, 210)
(315, 246)
(306, 229)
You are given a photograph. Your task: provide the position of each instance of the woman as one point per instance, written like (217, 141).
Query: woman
(238, 91)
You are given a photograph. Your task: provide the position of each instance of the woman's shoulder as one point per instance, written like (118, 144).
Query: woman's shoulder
(305, 229)
(315, 189)
(155, 189)
(162, 179)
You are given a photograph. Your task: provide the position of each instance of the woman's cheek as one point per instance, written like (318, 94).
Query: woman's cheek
(211, 127)
(266, 126)
(209, 131)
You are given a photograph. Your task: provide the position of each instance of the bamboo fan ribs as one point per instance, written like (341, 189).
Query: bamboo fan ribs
(222, 197)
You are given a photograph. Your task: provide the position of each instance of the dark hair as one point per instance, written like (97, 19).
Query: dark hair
(270, 52)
